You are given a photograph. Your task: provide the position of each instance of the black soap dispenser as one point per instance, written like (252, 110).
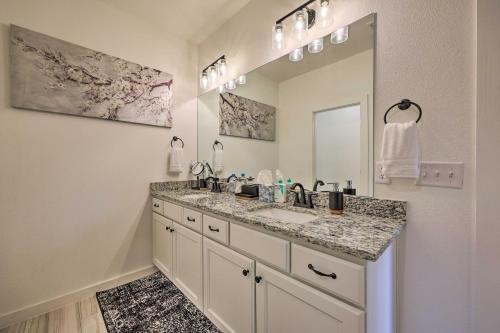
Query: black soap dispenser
(349, 189)
(336, 200)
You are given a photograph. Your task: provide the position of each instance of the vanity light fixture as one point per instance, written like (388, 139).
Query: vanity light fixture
(278, 36)
(296, 55)
(242, 79)
(211, 73)
(325, 18)
(300, 25)
(315, 46)
(230, 85)
(340, 35)
(221, 89)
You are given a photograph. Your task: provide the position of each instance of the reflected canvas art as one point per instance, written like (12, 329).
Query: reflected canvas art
(243, 117)
(49, 74)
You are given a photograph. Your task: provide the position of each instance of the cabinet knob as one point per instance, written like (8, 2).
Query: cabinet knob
(245, 272)
(332, 275)
(258, 279)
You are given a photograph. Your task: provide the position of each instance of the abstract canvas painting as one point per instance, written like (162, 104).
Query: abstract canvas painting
(49, 74)
(243, 117)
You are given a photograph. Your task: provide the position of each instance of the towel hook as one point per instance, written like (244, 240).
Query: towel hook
(404, 105)
(217, 142)
(175, 138)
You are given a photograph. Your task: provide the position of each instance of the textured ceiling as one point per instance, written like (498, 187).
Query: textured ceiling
(193, 20)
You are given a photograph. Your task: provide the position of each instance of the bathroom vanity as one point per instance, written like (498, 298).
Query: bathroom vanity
(292, 270)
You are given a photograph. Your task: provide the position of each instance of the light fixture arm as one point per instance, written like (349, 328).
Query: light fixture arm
(213, 63)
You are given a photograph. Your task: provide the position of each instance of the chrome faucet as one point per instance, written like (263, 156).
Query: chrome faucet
(302, 201)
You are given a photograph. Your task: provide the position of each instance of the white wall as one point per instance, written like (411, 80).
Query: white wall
(74, 207)
(240, 154)
(424, 51)
(349, 81)
(486, 270)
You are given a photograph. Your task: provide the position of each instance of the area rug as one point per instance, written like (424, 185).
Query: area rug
(152, 304)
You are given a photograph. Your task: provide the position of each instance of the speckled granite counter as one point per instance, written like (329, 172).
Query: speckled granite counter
(365, 230)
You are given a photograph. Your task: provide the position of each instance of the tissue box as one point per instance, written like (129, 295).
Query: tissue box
(266, 193)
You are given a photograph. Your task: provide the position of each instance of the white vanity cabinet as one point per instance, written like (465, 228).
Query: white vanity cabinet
(248, 281)
(229, 288)
(286, 305)
(188, 263)
(162, 244)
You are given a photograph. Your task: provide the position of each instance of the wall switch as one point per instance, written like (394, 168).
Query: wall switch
(380, 178)
(441, 174)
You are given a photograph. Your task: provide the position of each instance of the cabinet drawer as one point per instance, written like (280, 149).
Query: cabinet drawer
(192, 219)
(157, 206)
(216, 229)
(349, 280)
(173, 212)
(269, 249)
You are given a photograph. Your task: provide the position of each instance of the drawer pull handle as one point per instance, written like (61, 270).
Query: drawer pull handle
(172, 230)
(190, 219)
(245, 272)
(258, 279)
(213, 229)
(167, 228)
(332, 275)
(156, 205)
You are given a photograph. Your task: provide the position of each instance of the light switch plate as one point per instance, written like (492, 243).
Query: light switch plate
(441, 174)
(379, 175)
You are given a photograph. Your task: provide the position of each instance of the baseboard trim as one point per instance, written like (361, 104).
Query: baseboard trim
(37, 309)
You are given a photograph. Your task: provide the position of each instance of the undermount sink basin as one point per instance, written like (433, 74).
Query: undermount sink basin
(287, 216)
(195, 196)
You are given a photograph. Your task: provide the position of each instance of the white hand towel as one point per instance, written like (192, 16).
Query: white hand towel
(176, 160)
(218, 160)
(400, 152)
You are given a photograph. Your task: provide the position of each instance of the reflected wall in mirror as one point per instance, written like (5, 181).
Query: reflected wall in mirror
(312, 119)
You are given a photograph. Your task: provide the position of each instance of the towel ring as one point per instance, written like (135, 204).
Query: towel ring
(217, 142)
(404, 105)
(175, 138)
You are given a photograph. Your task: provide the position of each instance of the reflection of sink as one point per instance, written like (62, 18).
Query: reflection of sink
(287, 216)
(195, 196)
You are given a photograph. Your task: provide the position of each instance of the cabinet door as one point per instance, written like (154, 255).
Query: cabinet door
(188, 263)
(286, 305)
(229, 288)
(162, 244)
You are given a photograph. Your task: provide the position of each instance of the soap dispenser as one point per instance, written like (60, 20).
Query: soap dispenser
(349, 189)
(336, 200)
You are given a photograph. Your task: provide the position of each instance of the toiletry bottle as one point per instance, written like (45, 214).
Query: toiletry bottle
(336, 199)
(239, 182)
(279, 188)
(349, 189)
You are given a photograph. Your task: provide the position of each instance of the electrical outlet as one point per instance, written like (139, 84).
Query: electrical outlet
(441, 174)
(380, 178)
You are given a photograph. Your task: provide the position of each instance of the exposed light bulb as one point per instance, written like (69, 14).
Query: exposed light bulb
(204, 80)
(230, 85)
(296, 55)
(324, 14)
(221, 89)
(315, 45)
(222, 67)
(278, 36)
(300, 25)
(340, 35)
(242, 79)
(212, 74)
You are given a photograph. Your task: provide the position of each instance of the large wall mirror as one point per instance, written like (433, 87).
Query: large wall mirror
(311, 118)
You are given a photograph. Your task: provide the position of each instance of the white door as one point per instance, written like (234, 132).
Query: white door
(162, 244)
(286, 305)
(229, 288)
(188, 263)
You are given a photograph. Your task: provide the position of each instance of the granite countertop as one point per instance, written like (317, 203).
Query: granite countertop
(364, 236)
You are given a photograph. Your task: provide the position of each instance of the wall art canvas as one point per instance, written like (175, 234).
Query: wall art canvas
(246, 118)
(49, 74)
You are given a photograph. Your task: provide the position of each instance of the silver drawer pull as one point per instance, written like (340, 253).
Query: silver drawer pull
(332, 275)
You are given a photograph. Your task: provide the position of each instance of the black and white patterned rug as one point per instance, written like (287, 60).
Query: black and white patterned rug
(152, 304)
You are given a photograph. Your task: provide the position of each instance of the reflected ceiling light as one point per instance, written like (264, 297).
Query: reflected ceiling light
(315, 46)
(211, 73)
(242, 79)
(300, 25)
(325, 18)
(204, 80)
(340, 35)
(278, 36)
(221, 89)
(296, 55)
(230, 85)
